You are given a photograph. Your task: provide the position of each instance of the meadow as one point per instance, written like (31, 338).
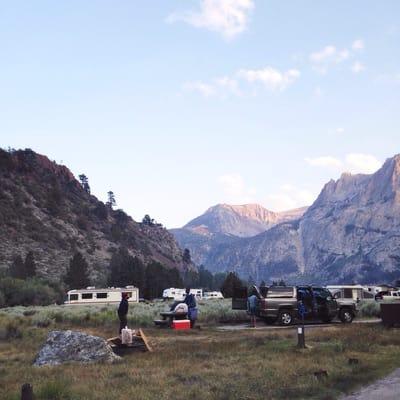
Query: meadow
(205, 363)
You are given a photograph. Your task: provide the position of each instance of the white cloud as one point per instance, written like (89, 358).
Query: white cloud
(324, 161)
(227, 17)
(357, 67)
(358, 45)
(326, 57)
(330, 56)
(339, 130)
(362, 163)
(203, 88)
(235, 189)
(355, 163)
(271, 78)
(289, 197)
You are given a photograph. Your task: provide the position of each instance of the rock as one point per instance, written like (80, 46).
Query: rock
(71, 346)
(349, 234)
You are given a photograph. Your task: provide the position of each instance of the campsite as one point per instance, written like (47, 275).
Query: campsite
(203, 363)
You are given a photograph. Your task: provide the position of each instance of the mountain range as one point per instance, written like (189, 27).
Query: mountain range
(351, 233)
(44, 209)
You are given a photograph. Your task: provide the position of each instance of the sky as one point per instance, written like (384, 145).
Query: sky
(176, 106)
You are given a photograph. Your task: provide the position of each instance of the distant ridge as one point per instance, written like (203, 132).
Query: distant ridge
(224, 223)
(44, 209)
(350, 234)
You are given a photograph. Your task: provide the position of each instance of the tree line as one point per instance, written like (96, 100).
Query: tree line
(22, 286)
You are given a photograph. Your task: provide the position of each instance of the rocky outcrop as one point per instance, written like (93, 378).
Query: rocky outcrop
(44, 209)
(70, 346)
(223, 224)
(350, 234)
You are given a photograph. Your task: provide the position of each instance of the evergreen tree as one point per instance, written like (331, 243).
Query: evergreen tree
(218, 280)
(191, 278)
(111, 200)
(17, 269)
(231, 283)
(30, 265)
(85, 183)
(186, 258)
(147, 220)
(120, 275)
(126, 270)
(205, 278)
(77, 276)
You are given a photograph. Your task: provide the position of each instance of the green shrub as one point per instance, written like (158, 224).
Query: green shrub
(26, 292)
(369, 309)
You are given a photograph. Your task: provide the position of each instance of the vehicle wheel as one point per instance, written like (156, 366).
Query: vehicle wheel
(270, 320)
(346, 315)
(285, 318)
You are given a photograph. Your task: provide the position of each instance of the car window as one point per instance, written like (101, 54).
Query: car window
(322, 293)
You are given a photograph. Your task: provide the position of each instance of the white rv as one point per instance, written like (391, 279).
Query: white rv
(179, 294)
(354, 292)
(92, 295)
(212, 295)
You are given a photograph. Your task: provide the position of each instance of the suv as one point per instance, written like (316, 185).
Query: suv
(285, 304)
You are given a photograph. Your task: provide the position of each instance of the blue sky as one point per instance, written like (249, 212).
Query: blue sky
(179, 105)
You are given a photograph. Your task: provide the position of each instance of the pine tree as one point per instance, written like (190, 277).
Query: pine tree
(77, 276)
(30, 265)
(17, 269)
(186, 258)
(231, 283)
(111, 200)
(85, 183)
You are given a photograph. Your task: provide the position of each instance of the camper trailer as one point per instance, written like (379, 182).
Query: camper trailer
(212, 295)
(179, 294)
(353, 292)
(92, 295)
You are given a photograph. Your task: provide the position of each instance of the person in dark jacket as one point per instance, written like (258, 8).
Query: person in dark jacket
(190, 301)
(123, 312)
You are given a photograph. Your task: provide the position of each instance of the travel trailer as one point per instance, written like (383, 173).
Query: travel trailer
(179, 294)
(354, 292)
(92, 295)
(212, 295)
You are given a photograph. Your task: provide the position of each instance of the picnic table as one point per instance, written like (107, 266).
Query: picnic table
(168, 317)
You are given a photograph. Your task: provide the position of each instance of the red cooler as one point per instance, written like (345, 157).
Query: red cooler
(181, 324)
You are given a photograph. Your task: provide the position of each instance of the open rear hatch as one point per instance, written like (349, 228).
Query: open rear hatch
(239, 299)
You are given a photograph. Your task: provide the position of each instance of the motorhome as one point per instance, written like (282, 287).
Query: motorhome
(93, 295)
(179, 294)
(354, 292)
(212, 295)
(391, 295)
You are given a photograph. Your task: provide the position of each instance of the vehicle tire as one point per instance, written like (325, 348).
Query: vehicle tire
(346, 315)
(270, 320)
(285, 317)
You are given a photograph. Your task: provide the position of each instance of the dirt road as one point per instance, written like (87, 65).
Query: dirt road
(385, 389)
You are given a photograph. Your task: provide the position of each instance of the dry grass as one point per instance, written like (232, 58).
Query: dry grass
(207, 364)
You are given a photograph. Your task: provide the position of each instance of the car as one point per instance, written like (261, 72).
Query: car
(288, 304)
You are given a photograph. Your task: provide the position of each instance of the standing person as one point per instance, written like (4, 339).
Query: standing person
(190, 301)
(123, 312)
(252, 303)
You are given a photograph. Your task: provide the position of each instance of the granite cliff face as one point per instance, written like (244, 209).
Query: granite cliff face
(222, 225)
(350, 233)
(44, 209)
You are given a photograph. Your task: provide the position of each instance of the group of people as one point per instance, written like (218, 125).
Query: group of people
(189, 301)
